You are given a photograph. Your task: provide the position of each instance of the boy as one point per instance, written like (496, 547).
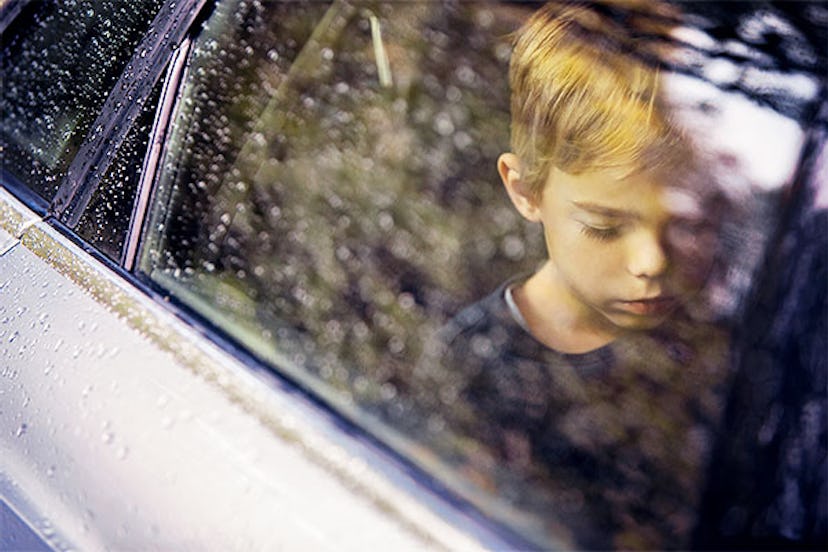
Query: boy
(586, 384)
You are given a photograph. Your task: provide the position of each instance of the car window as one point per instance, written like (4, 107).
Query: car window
(60, 61)
(106, 220)
(329, 200)
(452, 114)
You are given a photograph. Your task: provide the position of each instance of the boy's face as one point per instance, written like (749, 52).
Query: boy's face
(625, 249)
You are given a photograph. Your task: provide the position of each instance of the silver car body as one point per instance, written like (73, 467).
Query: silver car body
(123, 428)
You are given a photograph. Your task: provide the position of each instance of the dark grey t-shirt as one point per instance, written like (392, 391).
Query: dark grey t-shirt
(610, 445)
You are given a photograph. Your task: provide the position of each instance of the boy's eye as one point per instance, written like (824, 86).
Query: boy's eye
(601, 233)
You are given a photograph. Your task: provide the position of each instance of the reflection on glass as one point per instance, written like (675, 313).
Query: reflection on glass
(332, 200)
(595, 377)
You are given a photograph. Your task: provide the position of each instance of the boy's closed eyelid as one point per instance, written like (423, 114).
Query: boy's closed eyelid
(601, 233)
(602, 227)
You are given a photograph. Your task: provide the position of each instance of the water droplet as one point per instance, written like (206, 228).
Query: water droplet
(21, 430)
(107, 437)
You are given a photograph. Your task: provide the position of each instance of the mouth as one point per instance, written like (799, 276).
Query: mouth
(655, 306)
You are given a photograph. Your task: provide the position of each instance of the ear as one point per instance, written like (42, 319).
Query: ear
(509, 167)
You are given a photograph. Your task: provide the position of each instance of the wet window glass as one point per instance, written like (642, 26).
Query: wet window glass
(107, 218)
(60, 61)
(335, 199)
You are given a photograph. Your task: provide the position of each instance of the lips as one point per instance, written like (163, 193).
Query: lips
(650, 307)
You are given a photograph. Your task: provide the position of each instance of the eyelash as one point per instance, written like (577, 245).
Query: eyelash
(600, 234)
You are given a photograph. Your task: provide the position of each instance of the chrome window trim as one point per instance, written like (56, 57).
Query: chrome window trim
(176, 74)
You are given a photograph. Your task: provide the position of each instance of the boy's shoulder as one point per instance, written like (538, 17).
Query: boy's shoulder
(487, 315)
(487, 335)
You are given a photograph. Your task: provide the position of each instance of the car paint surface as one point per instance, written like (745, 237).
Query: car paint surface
(122, 428)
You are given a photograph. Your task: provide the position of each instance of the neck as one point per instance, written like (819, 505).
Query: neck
(559, 320)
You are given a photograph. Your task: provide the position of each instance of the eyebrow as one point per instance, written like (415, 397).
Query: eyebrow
(602, 210)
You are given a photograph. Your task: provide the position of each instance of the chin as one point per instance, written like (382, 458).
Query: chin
(637, 322)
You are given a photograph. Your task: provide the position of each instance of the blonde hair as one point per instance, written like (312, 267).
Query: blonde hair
(585, 88)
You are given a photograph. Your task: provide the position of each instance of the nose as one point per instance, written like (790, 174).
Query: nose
(647, 257)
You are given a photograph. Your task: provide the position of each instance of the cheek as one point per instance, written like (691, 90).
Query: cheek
(586, 262)
(596, 262)
(561, 243)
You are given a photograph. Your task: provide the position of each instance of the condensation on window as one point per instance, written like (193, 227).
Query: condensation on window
(329, 200)
(60, 61)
